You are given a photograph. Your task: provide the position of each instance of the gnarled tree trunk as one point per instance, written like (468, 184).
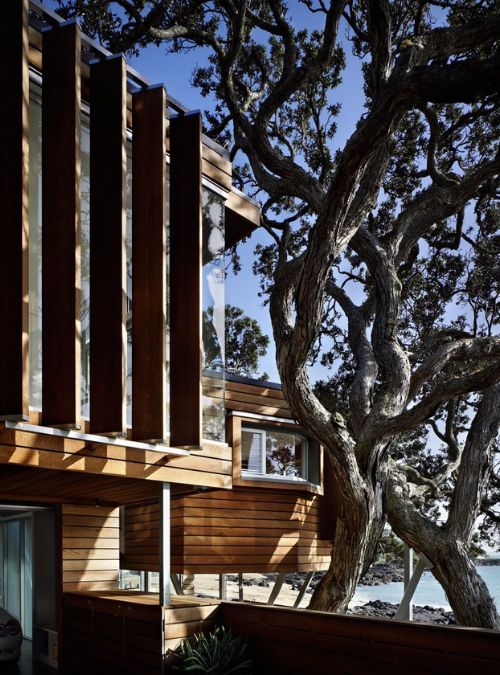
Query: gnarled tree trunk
(447, 546)
(357, 532)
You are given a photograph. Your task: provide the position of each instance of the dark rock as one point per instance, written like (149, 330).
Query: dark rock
(426, 614)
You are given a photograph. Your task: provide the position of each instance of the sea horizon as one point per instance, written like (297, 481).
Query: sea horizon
(428, 593)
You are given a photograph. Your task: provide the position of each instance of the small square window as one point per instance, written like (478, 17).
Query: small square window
(277, 454)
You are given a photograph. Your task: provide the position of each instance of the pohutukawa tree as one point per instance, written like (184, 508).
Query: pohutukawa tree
(383, 258)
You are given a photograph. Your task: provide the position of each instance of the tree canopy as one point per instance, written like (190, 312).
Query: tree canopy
(383, 253)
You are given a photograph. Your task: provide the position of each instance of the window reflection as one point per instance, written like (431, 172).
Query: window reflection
(280, 454)
(213, 315)
(35, 247)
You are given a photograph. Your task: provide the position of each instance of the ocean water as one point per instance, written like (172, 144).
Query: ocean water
(428, 592)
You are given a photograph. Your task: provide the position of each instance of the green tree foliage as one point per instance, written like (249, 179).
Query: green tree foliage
(245, 342)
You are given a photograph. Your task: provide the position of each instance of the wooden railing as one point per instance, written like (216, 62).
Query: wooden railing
(287, 641)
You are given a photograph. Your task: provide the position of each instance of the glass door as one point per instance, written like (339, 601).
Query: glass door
(16, 591)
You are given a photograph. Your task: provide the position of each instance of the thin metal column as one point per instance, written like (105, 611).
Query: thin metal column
(408, 572)
(176, 583)
(303, 589)
(240, 587)
(222, 586)
(403, 610)
(165, 544)
(276, 589)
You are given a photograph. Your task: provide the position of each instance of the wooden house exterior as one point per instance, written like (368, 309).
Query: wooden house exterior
(118, 450)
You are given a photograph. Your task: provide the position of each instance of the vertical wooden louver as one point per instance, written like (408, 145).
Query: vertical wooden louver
(61, 288)
(185, 280)
(14, 217)
(107, 245)
(149, 289)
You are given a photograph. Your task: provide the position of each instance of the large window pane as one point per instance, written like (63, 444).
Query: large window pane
(13, 571)
(85, 264)
(213, 315)
(252, 447)
(285, 454)
(35, 247)
(279, 454)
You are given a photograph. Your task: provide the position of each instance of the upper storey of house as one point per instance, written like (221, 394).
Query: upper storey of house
(116, 212)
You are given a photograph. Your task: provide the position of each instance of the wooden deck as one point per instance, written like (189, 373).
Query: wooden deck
(121, 631)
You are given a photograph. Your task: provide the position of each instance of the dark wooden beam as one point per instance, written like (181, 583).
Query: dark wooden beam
(185, 280)
(107, 245)
(14, 219)
(61, 288)
(149, 256)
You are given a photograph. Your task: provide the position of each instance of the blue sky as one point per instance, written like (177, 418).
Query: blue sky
(174, 71)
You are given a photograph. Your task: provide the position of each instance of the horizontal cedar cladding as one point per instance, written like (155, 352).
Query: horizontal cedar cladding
(90, 547)
(231, 531)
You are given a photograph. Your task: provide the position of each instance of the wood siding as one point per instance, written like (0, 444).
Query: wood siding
(121, 632)
(108, 165)
(230, 531)
(249, 397)
(61, 285)
(149, 278)
(209, 468)
(299, 641)
(90, 548)
(186, 345)
(14, 182)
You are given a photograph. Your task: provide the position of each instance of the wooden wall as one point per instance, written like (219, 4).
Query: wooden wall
(122, 632)
(286, 641)
(231, 531)
(187, 617)
(211, 467)
(259, 398)
(90, 548)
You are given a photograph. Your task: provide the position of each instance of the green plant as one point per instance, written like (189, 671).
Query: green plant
(219, 652)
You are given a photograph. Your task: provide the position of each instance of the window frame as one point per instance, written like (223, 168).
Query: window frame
(263, 431)
(236, 421)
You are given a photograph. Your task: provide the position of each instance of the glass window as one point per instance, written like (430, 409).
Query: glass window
(213, 315)
(35, 247)
(278, 454)
(85, 265)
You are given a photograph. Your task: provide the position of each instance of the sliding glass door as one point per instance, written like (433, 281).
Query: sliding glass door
(16, 590)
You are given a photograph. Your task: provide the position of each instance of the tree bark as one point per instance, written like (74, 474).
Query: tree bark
(447, 546)
(465, 589)
(358, 529)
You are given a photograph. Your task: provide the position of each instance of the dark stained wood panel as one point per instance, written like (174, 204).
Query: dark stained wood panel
(149, 256)
(185, 280)
(128, 631)
(107, 245)
(14, 179)
(285, 640)
(34, 485)
(61, 288)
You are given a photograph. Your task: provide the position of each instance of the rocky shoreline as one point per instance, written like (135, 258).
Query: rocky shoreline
(377, 575)
(387, 610)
